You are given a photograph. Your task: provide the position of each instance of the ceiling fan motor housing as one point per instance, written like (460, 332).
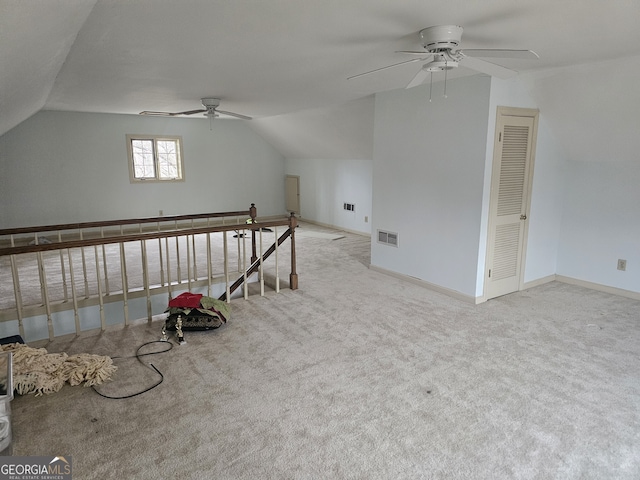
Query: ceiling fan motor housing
(441, 37)
(210, 103)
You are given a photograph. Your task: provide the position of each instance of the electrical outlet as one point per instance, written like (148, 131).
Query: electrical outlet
(160, 213)
(366, 219)
(622, 264)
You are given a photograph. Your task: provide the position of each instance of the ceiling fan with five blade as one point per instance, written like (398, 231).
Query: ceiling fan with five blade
(210, 110)
(441, 52)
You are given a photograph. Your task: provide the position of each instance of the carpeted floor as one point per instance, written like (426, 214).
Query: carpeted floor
(358, 375)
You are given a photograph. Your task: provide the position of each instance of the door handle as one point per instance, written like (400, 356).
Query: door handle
(523, 217)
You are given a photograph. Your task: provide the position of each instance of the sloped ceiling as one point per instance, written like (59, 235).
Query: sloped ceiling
(333, 132)
(35, 39)
(284, 62)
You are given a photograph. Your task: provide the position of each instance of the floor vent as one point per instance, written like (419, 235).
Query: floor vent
(388, 238)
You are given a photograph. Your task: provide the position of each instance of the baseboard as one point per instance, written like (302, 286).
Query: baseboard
(600, 288)
(430, 286)
(539, 281)
(335, 227)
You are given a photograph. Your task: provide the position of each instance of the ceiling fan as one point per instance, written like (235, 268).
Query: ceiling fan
(210, 110)
(442, 52)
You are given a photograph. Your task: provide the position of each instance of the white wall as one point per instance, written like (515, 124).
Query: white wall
(325, 185)
(592, 111)
(61, 167)
(428, 181)
(601, 223)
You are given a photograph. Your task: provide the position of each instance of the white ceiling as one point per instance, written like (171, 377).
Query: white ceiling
(268, 58)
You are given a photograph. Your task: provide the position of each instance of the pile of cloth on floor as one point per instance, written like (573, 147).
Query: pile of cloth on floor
(37, 371)
(197, 312)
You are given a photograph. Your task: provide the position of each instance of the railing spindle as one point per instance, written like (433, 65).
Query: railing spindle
(261, 270)
(104, 262)
(178, 269)
(125, 283)
(226, 267)
(84, 269)
(275, 230)
(245, 286)
(103, 324)
(74, 293)
(45, 293)
(195, 265)
(16, 292)
(145, 276)
(208, 263)
(186, 239)
(293, 277)
(169, 291)
(65, 292)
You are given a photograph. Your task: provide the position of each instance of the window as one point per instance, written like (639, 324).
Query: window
(154, 158)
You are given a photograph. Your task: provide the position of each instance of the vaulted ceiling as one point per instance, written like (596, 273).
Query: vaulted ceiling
(270, 58)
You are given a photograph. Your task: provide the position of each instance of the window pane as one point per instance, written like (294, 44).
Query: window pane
(168, 165)
(143, 164)
(155, 158)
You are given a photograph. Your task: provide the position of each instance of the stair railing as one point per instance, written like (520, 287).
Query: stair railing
(100, 263)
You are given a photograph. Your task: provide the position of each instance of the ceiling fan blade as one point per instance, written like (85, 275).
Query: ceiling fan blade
(489, 68)
(419, 79)
(384, 68)
(155, 114)
(423, 53)
(500, 53)
(231, 114)
(189, 112)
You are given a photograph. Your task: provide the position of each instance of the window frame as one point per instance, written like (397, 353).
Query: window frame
(155, 139)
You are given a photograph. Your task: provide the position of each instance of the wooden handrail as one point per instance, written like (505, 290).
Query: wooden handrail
(129, 221)
(89, 242)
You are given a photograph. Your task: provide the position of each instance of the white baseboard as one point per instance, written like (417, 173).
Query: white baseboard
(539, 281)
(534, 283)
(430, 286)
(320, 224)
(601, 288)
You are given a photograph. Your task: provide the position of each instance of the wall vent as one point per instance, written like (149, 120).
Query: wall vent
(351, 207)
(388, 238)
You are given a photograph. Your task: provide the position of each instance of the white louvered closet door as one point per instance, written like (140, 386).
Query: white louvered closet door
(509, 203)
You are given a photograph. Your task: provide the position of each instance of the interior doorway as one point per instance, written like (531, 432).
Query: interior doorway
(292, 193)
(513, 158)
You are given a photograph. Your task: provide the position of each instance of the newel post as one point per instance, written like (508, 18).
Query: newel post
(293, 277)
(253, 213)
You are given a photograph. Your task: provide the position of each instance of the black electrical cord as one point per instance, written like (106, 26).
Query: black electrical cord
(139, 356)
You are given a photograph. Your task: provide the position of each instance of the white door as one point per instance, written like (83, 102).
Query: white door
(292, 193)
(510, 195)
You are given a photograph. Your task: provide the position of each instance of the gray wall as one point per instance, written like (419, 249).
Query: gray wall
(601, 223)
(61, 167)
(428, 181)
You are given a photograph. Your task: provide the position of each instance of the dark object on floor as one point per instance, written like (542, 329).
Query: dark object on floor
(197, 312)
(193, 322)
(11, 339)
